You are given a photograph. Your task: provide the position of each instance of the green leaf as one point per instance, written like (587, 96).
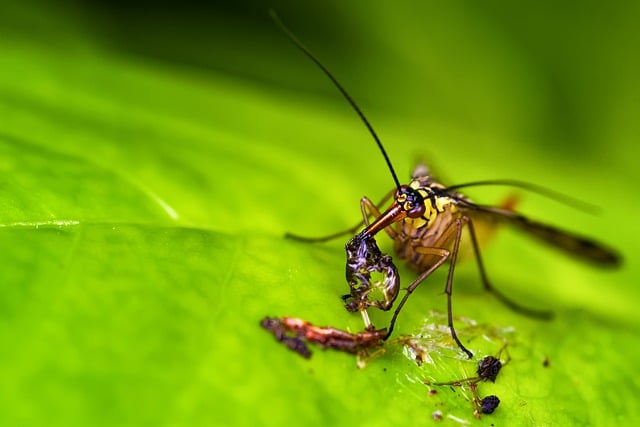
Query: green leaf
(144, 203)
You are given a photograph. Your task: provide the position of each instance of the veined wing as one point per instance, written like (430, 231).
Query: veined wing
(582, 247)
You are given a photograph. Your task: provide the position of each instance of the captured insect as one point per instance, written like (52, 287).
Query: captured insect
(426, 221)
(488, 369)
(364, 258)
(485, 405)
(296, 333)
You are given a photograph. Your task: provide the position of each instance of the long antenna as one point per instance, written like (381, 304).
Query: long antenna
(307, 52)
(543, 191)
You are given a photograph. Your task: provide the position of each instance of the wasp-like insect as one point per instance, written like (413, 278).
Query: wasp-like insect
(426, 220)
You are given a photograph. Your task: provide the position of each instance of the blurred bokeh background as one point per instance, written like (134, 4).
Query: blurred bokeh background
(563, 76)
(558, 75)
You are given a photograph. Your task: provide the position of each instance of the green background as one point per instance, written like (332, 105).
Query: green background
(152, 157)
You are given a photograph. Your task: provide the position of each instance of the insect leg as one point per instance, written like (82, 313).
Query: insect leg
(371, 210)
(460, 222)
(444, 254)
(351, 230)
(541, 314)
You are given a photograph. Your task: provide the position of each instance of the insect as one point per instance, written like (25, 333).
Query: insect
(488, 369)
(426, 221)
(364, 258)
(296, 333)
(485, 405)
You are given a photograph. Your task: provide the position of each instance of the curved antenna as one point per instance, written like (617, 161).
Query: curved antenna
(580, 205)
(353, 104)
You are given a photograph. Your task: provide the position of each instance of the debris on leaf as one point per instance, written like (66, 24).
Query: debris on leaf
(295, 333)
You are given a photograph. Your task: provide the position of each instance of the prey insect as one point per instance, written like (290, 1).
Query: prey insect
(426, 221)
(488, 369)
(296, 333)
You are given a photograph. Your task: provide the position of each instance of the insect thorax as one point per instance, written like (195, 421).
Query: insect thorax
(436, 203)
(430, 229)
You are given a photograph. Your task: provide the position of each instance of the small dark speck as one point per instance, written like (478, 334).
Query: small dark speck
(489, 404)
(384, 369)
(432, 392)
(546, 362)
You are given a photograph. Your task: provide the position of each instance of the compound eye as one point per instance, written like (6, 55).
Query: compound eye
(416, 211)
(411, 201)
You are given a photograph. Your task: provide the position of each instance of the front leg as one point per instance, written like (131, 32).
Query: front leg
(370, 210)
(455, 230)
(365, 201)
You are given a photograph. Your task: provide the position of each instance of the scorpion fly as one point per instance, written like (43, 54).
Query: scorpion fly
(426, 221)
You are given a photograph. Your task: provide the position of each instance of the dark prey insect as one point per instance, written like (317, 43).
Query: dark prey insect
(426, 221)
(488, 369)
(364, 258)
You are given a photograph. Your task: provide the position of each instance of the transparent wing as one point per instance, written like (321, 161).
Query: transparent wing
(574, 244)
